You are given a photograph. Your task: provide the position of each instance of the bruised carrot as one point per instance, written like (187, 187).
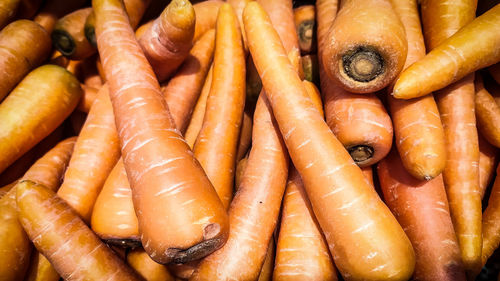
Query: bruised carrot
(302, 252)
(304, 17)
(41, 269)
(113, 217)
(55, 9)
(35, 108)
(245, 135)
(487, 113)
(364, 58)
(314, 95)
(164, 175)
(311, 68)
(184, 88)
(206, 16)
(23, 46)
(14, 244)
(60, 235)
(469, 49)
(495, 72)
(139, 260)
(8, 10)
(491, 217)
(89, 96)
(422, 210)
(68, 35)
(334, 184)
(488, 156)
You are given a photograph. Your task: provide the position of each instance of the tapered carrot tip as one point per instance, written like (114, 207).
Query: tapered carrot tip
(89, 31)
(361, 153)
(363, 64)
(181, 14)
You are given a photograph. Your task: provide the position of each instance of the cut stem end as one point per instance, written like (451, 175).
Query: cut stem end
(363, 64)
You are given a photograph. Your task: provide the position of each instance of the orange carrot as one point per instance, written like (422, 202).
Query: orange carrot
(185, 86)
(55, 9)
(495, 72)
(68, 35)
(164, 175)
(238, 6)
(469, 49)
(491, 217)
(487, 113)
(6, 188)
(89, 96)
(41, 269)
(304, 17)
(488, 157)
(206, 16)
(8, 10)
(364, 58)
(113, 217)
(334, 184)
(167, 42)
(422, 210)
(28, 117)
(61, 236)
(139, 260)
(266, 272)
(245, 135)
(96, 152)
(23, 46)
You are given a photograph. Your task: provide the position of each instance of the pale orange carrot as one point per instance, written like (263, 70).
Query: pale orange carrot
(77, 120)
(139, 260)
(206, 16)
(55, 9)
(240, 171)
(487, 113)
(488, 158)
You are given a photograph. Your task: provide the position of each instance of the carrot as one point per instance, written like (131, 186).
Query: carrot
(302, 252)
(419, 134)
(469, 49)
(167, 42)
(254, 210)
(139, 260)
(311, 68)
(304, 17)
(23, 46)
(183, 271)
(61, 236)
(96, 152)
(206, 16)
(6, 188)
(266, 272)
(8, 11)
(240, 171)
(422, 210)
(366, 46)
(487, 113)
(224, 109)
(185, 86)
(314, 95)
(68, 35)
(89, 96)
(41, 269)
(196, 121)
(491, 217)
(28, 8)
(55, 9)
(245, 139)
(113, 217)
(143, 28)
(238, 6)
(164, 175)
(14, 244)
(308, 139)
(368, 174)
(488, 156)
(495, 71)
(29, 117)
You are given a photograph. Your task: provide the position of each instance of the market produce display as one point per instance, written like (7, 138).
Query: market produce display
(249, 140)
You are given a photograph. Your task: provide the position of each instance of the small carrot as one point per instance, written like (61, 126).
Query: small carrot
(88, 97)
(61, 236)
(8, 10)
(23, 46)
(68, 35)
(495, 71)
(167, 42)
(113, 217)
(185, 86)
(240, 171)
(304, 17)
(206, 16)
(327, 169)
(491, 227)
(41, 269)
(368, 174)
(35, 108)
(311, 68)
(55, 9)
(488, 157)
(487, 113)
(266, 272)
(139, 260)
(245, 139)
(164, 176)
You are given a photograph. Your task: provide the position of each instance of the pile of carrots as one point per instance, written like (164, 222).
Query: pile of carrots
(249, 140)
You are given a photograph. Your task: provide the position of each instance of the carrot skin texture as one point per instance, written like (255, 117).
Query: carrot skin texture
(88, 97)
(41, 269)
(488, 158)
(154, 152)
(206, 16)
(328, 195)
(139, 260)
(68, 35)
(491, 227)
(55, 9)
(48, 222)
(487, 114)
(421, 208)
(185, 86)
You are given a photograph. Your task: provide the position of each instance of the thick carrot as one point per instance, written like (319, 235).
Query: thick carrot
(41, 269)
(8, 10)
(245, 139)
(185, 86)
(422, 210)
(488, 158)
(366, 46)
(196, 121)
(419, 134)
(23, 46)
(302, 252)
(254, 210)
(487, 113)
(206, 16)
(113, 217)
(491, 219)
(495, 71)
(164, 176)
(304, 17)
(61, 236)
(89, 96)
(471, 48)
(310, 68)
(139, 260)
(334, 184)
(96, 152)
(167, 42)
(35, 108)
(68, 35)
(55, 9)
(14, 244)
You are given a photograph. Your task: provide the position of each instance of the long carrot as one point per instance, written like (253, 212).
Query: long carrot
(469, 49)
(55, 9)
(60, 235)
(491, 217)
(224, 109)
(164, 176)
(419, 134)
(304, 17)
(334, 184)
(185, 86)
(41, 269)
(23, 46)
(488, 157)
(36, 107)
(113, 217)
(206, 16)
(68, 35)
(8, 10)
(139, 260)
(15, 247)
(167, 42)
(422, 210)
(487, 113)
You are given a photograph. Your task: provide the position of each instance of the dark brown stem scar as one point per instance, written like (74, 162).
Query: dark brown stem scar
(360, 153)
(196, 252)
(363, 64)
(306, 30)
(63, 42)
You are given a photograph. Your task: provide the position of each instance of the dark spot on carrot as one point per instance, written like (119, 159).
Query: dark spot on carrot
(360, 153)
(305, 31)
(363, 64)
(63, 42)
(196, 252)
